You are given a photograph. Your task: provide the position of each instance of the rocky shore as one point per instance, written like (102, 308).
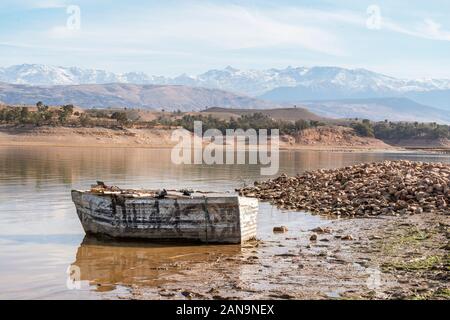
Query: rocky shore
(386, 188)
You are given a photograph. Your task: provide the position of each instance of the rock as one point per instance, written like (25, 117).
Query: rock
(187, 294)
(367, 189)
(347, 237)
(313, 237)
(441, 203)
(281, 229)
(322, 230)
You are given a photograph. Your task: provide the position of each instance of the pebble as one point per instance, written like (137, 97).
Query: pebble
(281, 229)
(368, 189)
(322, 230)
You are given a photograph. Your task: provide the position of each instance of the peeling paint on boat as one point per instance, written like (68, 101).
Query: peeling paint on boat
(210, 217)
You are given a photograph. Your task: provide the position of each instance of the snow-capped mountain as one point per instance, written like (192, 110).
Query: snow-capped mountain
(258, 82)
(37, 74)
(251, 82)
(331, 83)
(280, 85)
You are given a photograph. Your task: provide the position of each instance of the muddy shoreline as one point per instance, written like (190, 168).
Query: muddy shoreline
(370, 254)
(388, 258)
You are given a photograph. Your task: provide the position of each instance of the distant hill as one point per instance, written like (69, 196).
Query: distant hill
(435, 98)
(378, 109)
(169, 97)
(277, 114)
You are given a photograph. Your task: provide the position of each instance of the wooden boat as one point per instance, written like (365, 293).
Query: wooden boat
(166, 215)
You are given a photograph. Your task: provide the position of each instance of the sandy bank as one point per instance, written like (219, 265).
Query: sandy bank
(320, 139)
(85, 137)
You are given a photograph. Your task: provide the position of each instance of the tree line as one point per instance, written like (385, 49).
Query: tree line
(67, 116)
(387, 130)
(255, 121)
(62, 116)
(44, 115)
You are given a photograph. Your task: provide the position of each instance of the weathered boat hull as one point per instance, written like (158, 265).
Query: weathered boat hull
(216, 219)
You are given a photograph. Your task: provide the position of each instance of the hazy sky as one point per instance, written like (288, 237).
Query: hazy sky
(411, 38)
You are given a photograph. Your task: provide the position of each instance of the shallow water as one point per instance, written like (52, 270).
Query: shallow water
(41, 237)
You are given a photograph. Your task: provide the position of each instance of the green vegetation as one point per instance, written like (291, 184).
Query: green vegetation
(389, 131)
(63, 116)
(408, 130)
(364, 128)
(255, 121)
(409, 237)
(111, 118)
(121, 117)
(423, 264)
(44, 115)
(439, 293)
(64, 113)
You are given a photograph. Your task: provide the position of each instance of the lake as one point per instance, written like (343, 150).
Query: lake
(41, 237)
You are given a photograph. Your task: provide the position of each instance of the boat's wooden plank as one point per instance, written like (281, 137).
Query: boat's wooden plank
(207, 218)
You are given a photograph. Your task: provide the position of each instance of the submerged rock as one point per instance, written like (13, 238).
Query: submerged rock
(280, 229)
(387, 188)
(322, 230)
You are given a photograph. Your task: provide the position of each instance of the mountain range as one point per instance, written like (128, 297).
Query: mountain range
(339, 82)
(348, 91)
(378, 109)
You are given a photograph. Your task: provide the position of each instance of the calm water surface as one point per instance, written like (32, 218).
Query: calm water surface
(40, 235)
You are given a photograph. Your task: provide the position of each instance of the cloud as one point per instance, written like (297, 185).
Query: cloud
(195, 34)
(200, 28)
(234, 27)
(427, 29)
(36, 4)
(48, 4)
(433, 30)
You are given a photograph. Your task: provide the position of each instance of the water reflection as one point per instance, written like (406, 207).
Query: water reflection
(41, 167)
(106, 264)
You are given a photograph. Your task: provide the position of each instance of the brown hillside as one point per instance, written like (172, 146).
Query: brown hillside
(336, 136)
(286, 114)
(437, 143)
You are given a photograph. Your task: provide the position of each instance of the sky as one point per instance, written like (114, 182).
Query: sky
(407, 39)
